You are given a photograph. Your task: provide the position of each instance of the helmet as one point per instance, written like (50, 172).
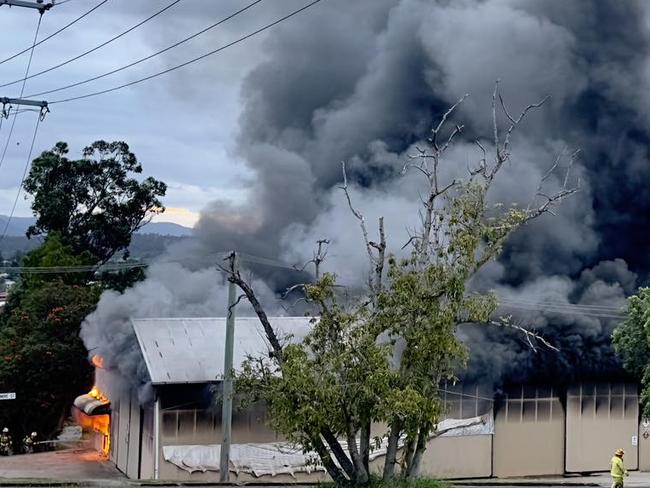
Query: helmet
(619, 452)
(5, 430)
(33, 434)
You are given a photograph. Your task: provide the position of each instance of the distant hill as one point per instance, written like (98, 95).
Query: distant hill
(166, 229)
(18, 226)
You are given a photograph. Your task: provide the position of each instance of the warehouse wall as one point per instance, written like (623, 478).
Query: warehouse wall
(529, 433)
(458, 457)
(601, 418)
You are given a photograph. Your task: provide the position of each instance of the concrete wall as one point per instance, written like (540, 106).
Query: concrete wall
(601, 418)
(445, 457)
(529, 434)
(459, 457)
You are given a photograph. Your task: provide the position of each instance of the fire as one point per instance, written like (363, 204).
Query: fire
(97, 423)
(97, 361)
(97, 394)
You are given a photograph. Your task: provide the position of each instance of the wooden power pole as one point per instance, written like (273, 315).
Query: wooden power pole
(226, 409)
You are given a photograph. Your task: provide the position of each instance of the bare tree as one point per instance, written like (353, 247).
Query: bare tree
(342, 379)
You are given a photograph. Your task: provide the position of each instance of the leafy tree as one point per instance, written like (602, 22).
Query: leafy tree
(631, 341)
(87, 209)
(94, 203)
(42, 358)
(379, 358)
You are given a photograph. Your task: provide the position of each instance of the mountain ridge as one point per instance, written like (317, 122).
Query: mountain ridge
(19, 225)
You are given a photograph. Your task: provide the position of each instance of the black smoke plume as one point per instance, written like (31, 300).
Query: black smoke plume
(364, 82)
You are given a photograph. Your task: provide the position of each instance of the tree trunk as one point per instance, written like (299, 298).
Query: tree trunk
(332, 469)
(407, 456)
(364, 444)
(391, 452)
(339, 453)
(361, 476)
(414, 465)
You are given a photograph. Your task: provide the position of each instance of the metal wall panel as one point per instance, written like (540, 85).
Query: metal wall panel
(133, 439)
(601, 418)
(529, 433)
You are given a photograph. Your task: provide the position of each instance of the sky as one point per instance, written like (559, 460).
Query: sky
(181, 126)
(250, 140)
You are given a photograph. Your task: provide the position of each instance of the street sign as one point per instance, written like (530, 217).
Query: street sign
(7, 396)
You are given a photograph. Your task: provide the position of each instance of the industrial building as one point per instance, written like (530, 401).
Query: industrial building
(529, 430)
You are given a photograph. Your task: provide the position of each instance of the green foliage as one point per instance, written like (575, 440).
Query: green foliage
(377, 482)
(631, 340)
(336, 379)
(42, 357)
(88, 210)
(383, 360)
(94, 203)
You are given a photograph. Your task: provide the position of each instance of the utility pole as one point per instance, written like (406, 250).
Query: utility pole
(226, 409)
(38, 4)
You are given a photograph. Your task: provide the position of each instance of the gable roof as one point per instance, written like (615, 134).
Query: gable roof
(191, 350)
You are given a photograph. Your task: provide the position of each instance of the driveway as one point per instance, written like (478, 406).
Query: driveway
(67, 465)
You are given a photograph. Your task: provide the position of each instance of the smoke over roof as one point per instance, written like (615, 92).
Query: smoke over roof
(364, 81)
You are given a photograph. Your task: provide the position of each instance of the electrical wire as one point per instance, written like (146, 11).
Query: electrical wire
(560, 306)
(22, 90)
(99, 46)
(13, 56)
(27, 164)
(191, 61)
(566, 311)
(552, 302)
(150, 56)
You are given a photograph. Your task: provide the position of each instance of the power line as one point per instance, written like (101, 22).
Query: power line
(22, 90)
(194, 60)
(151, 56)
(566, 311)
(55, 33)
(27, 164)
(571, 306)
(99, 46)
(560, 303)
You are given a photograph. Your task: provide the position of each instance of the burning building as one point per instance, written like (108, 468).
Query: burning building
(176, 435)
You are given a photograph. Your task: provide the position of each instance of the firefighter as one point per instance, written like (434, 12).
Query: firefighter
(28, 443)
(6, 444)
(618, 469)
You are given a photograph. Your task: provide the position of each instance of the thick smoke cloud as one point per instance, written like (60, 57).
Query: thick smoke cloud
(363, 82)
(171, 289)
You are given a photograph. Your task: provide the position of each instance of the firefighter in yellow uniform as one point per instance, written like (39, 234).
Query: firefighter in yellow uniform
(618, 469)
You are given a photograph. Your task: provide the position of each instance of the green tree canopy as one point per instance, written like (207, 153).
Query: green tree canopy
(94, 203)
(42, 358)
(88, 210)
(631, 341)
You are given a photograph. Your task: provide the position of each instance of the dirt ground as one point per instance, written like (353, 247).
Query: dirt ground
(72, 465)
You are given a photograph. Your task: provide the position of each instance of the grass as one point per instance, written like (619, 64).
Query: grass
(377, 482)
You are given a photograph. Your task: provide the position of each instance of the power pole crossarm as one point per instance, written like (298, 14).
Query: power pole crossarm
(38, 5)
(22, 101)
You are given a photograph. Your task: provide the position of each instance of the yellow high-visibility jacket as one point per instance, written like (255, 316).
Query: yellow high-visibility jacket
(618, 469)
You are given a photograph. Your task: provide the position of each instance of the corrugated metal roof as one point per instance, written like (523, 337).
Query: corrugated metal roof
(191, 350)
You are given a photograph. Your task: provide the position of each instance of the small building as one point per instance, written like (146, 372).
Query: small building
(530, 430)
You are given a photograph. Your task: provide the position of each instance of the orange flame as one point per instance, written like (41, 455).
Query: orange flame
(97, 394)
(97, 361)
(98, 423)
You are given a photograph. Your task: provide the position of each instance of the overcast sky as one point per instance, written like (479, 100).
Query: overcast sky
(181, 126)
